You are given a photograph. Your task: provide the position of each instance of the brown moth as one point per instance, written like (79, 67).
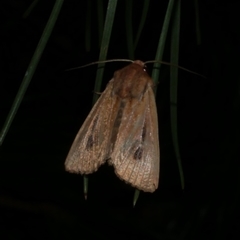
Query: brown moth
(122, 129)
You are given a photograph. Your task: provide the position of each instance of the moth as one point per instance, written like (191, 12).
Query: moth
(121, 129)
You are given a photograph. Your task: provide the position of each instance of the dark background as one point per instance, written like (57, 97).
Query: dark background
(39, 200)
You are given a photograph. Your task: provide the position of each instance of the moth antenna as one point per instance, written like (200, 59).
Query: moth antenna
(174, 65)
(104, 61)
(128, 60)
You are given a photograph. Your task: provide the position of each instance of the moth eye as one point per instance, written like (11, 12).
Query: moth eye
(138, 154)
(90, 142)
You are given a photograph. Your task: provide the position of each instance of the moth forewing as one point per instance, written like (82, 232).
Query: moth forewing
(91, 145)
(152, 143)
(135, 156)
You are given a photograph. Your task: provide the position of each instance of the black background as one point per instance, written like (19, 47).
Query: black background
(39, 200)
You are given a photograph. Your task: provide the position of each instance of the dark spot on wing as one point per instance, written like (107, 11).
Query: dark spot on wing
(119, 115)
(94, 123)
(90, 142)
(144, 132)
(117, 123)
(138, 153)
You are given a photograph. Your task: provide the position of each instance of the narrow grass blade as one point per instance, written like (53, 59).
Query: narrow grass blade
(129, 30)
(88, 26)
(174, 85)
(31, 68)
(161, 43)
(100, 18)
(141, 24)
(158, 57)
(30, 8)
(85, 186)
(136, 196)
(111, 9)
(112, 4)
